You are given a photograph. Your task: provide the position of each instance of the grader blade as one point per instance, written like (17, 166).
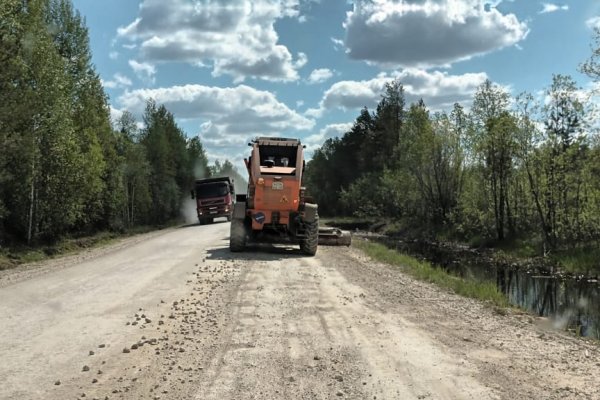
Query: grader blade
(334, 237)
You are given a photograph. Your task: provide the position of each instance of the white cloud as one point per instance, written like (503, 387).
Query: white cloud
(237, 37)
(438, 89)
(593, 22)
(144, 71)
(427, 33)
(550, 8)
(338, 44)
(119, 81)
(113, 55)
(329, 131)
(115, 114)
(227, 116)
(319, 75)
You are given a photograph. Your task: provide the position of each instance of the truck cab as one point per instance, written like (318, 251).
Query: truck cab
(214, 198)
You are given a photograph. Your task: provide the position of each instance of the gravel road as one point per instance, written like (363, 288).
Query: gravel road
(174, 315)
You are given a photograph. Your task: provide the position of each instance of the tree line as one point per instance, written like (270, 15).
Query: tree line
(64, 168)
(507, 168)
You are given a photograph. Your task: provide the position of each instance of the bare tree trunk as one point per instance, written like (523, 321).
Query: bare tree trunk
(31, 200)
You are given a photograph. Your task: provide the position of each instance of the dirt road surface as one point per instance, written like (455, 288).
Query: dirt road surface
(175, 315)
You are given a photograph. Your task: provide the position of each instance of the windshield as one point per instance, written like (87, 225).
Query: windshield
(207, 190)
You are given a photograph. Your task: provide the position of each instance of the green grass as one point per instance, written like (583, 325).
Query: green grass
(579, 260)
(485, 291)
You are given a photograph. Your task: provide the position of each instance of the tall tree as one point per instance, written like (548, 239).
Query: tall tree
(499, 148)
(46, 200)
(389, 119)
(16, 97)
(89, 112)
(493, 143)
(165, 147)
(135, 172)
(563, 115)
(591, 66)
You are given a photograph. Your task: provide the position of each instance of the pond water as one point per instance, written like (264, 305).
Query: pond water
(572, 303)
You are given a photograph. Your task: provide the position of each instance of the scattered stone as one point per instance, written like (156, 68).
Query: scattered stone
(339, 393)
(148, 320)
(85, 368)
(339, 378)
(134, 346)
(94, 380)
(102, 346)
(91, 353)
(57, 383)
(126, 350)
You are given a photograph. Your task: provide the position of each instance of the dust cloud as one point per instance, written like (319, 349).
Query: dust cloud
(188, 211)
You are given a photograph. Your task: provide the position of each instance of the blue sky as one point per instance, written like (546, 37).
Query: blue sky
(232, 70)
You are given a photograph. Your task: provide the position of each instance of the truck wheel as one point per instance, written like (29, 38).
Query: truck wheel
(210, 220)
(201, 221)
(309, 244)
(237, 235)
(229, 217)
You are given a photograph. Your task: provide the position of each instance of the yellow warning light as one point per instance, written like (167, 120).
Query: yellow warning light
(260, 181)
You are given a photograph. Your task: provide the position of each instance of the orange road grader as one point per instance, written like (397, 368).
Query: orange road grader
(276, 208)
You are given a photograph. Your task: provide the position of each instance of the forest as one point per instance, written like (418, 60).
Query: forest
(502, 169)
(65, 167)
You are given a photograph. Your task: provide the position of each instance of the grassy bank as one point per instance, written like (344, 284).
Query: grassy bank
(579, 260)
(485, 291)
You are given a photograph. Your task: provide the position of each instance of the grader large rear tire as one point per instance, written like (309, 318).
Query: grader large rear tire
(237, 235)
(309, 244)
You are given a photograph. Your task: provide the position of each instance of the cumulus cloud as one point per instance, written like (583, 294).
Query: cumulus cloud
(236, 37)
(329, 131)
(319, 75)
(144, 71)
(229, 115)
(119, 81)
(425, 33)
(550, 8)
(438, 89)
